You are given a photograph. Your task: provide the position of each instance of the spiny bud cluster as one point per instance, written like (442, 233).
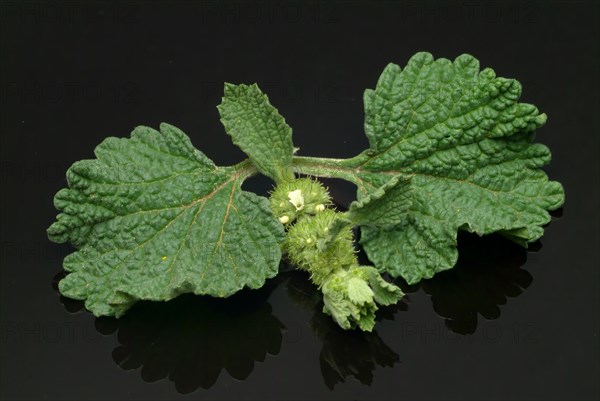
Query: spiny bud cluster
(350, 291)
(295, 198)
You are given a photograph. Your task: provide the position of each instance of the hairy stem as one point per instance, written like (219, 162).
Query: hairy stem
(326, 167)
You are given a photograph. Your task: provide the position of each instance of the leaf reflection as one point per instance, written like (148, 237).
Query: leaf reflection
(487, 274)
(191, 339)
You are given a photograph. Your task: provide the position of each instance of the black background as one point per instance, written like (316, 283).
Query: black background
(505, 323)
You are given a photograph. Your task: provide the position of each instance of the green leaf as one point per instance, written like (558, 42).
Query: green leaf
(359, 291)
(153, 218)
(258, 129)
(385, 207)
(385, 293)
(466, 141)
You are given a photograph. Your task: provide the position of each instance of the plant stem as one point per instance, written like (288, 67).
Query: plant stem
(326, 167)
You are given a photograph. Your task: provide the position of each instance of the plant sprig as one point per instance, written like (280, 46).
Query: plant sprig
(451, 148)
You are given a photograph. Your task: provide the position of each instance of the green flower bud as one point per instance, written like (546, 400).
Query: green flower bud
(350, 296)
(299, 197)
(303, 245)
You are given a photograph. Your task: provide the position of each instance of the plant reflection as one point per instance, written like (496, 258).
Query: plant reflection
(487, 273)
(192, 339)
(343, 353)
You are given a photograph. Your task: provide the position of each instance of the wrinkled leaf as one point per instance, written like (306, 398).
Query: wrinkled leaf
(385, 207)
(258, 129)
(153, 218)
(466, 141)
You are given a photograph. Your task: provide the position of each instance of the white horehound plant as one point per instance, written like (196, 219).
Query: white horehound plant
(450, 148)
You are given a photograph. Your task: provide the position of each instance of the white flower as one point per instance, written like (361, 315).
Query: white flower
(296, 199)
(284, 219)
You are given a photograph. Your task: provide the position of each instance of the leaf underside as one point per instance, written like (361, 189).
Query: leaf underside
(466, 142)
(152, 218)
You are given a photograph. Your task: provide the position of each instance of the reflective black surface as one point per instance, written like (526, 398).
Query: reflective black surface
(191, 340)
(505, 323)
(487, 274)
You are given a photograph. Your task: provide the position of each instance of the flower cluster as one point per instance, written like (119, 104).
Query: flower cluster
(350, 296)
(306, 246)
(293, 199)
(350, 292)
